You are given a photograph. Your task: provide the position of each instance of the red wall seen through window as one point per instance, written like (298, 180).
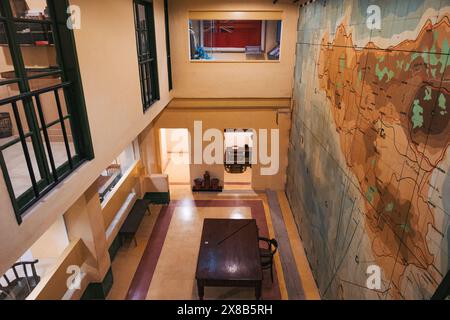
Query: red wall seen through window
(232, 33)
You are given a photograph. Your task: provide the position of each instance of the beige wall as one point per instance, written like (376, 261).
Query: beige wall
(52, 243)
(244, 114)
(225, 79)
(106, 47)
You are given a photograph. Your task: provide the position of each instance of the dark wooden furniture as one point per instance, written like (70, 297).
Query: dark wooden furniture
(134, 219)
(207, 184)
(25, 280)
(267, 254)
(237, 160)
(229, 255)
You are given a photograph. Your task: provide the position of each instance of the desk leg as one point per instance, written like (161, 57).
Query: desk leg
(201, 290)
(258, 291)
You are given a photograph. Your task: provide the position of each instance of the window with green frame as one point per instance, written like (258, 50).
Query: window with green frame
(146, 47)
(44, 131)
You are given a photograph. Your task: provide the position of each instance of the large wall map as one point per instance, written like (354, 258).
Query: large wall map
(369, 164)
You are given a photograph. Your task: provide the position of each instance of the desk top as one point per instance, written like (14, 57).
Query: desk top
(229, 250)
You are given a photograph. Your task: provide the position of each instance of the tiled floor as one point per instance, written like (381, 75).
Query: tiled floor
(178, 169)
(162, 266)
(178, 259)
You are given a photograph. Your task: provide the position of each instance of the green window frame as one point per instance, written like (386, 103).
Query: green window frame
(169, 58)
(146, 48)
(27, 106)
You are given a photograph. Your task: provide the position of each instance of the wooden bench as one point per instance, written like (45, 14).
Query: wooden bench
(134, 219)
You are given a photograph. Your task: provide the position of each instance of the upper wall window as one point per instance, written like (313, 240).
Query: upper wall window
(235, 40)
(44, 132)
(146, 45)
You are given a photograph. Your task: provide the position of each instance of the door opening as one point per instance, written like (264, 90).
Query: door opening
(175, 155)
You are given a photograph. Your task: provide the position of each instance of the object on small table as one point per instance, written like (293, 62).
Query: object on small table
(207, 184)
(215, 183)
(198, 183)
(207, 180)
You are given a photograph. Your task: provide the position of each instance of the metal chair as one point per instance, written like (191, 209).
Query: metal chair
(267, 254)
(20, 287)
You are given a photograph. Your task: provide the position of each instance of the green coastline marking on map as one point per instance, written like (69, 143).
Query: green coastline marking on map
(373, 163)
(443, 104)
(428, 91)
(432, 54)
(389, 207)
(435, 35)
(433, 72)
(445, 47)
(417, 117)
(370, 194)
(405, 227)
(381, 73)
(407, 66)
(342, 62)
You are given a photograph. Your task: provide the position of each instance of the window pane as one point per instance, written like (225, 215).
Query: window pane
(8, 90)
(44, 82)
(141, 17)
(49, 107)
(235, 39)
(17, 167)
(36, 45)
(143, 43)
(6, 64)
(9, 119)
(146, 54)
(58, 146)
(34, 9)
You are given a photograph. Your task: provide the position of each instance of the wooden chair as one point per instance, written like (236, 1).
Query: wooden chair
(267, 254)
(21, 286)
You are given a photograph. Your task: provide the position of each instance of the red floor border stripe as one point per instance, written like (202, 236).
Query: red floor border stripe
(142, 278)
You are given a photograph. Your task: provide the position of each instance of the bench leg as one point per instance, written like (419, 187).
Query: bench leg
(135, 241)
(258, 291)
(201, 290)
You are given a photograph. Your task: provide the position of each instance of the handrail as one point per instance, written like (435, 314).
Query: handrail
(37, 92)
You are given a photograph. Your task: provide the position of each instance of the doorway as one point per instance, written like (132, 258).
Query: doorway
(175, 155)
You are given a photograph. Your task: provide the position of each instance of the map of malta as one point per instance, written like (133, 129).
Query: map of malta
(371, 132)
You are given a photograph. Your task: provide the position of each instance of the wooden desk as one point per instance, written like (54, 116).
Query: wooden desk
(229, 255)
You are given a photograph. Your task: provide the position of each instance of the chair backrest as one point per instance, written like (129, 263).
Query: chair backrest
(22, 266)
(272, 245)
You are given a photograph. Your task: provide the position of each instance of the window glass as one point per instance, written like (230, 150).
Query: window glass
(146, 45)
(235, 40)
(41, 142)
(30, 9)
